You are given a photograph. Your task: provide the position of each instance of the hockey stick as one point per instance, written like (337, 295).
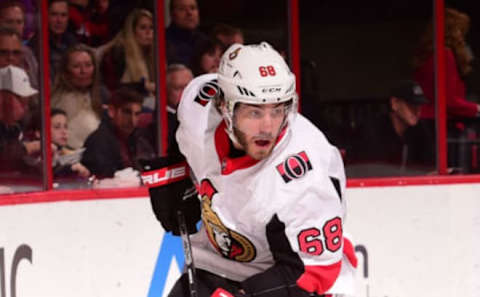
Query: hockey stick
(187, 251)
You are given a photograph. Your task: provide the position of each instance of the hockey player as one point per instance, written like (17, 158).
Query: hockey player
(271, 187)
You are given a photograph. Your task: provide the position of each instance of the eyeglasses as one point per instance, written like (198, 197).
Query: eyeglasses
(14, 53)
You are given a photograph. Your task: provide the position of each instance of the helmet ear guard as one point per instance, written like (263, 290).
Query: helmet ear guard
(255, 74)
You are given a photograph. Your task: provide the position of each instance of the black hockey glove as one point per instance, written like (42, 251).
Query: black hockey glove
(171, 190)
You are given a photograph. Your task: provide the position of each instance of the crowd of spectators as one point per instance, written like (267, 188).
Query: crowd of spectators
(103, 82)
(103, 77)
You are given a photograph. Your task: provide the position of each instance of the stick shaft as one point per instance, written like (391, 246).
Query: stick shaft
(187, 251)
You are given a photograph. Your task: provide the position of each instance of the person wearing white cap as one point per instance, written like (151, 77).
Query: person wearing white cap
(15, 89)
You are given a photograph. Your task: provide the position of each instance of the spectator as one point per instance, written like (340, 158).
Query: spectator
(183, 36)
(394, 139)
(227, 35)
(12, 15)
(66, 161)
(15, 90)
(89, 21)
(59, 38)
(207, 57)
(118, 143)
(10, 48)
(76, 91)
(129, 59)
(178, 77)
(458, 65)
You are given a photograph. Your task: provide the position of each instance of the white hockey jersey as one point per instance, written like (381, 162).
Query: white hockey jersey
(290, 203)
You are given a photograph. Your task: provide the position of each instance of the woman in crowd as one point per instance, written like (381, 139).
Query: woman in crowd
(76, 91)
(458, 66)
(66, 161)
(128, 59)
(206, 58)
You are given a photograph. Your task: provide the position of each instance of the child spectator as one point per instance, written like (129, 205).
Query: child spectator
(76, 91)
(66, 161)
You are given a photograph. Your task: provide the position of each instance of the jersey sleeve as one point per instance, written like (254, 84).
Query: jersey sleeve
(195, 114)
(314, 228)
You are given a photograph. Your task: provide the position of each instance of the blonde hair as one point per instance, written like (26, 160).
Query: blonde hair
(457, 25)
(62, 83)
(139, 63)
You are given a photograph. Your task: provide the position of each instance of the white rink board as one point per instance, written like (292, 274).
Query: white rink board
(421, 241)
(85, 248)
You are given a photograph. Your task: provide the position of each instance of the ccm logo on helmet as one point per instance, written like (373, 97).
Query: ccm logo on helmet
(271, 90)
(295, 166)
(166, 175)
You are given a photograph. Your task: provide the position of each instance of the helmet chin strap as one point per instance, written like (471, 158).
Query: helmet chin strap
(231, 134)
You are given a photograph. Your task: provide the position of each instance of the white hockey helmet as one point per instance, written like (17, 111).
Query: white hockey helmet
(255, 74)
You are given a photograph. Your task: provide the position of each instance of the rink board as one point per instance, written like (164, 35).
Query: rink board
(411, 241)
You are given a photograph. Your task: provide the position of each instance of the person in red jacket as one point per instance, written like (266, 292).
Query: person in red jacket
(458, 66)
(89, 21)
(462, 114)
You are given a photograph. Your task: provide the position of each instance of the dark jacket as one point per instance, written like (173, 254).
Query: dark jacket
(103, 150)
(12, 150)
(378, 143)
(181, 44)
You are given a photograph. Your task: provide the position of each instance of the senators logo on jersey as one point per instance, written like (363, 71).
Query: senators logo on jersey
(207, 92)
(294, 167)
(227, 242)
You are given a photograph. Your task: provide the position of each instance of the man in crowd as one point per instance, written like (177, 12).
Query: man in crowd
(395, 139)
(183, 35)
(12, 15)
(227, 34)
(271, 186)
(178, 76)
(118, 142)
(15, 91)
(59, 38)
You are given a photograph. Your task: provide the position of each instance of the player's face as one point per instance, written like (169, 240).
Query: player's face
(59, 129)
(144, 31)
(257, 127)
(80, 69)
(58, 17)
(185, 14)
